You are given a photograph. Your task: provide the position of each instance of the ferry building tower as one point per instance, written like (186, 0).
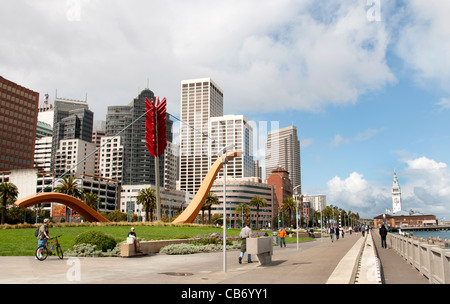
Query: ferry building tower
(396, 196)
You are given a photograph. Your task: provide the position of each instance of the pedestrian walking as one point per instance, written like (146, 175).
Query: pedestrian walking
(331, 231)
(383, 234)
(337, 233)
(245, 233)
(282, 236)
(363, 229)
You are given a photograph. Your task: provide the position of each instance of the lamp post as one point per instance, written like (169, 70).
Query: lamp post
(296, 210)
(225, 162)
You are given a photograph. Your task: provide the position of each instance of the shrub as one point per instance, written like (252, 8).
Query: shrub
(98, 238)
(89, 250)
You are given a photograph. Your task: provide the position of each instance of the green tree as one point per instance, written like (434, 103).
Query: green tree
(147, 198)
(91, 199)
(8, 191)
(258, 202)
(211, 200)
(70, 186)
(243, 209)
(289, 205)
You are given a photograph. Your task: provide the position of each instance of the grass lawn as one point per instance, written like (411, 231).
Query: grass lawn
(22, 242)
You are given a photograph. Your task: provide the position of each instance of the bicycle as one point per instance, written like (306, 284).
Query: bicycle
(45, 251)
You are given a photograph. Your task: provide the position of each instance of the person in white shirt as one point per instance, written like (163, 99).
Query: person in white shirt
(245, 233)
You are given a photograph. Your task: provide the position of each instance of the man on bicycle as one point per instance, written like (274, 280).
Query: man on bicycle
(43, 235)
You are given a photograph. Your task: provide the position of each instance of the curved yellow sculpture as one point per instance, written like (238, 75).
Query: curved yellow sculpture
(84, 210)
(189, 214)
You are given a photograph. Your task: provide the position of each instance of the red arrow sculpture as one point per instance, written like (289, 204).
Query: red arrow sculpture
(155, 124)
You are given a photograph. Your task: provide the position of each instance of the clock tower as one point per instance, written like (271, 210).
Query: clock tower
(396, 196)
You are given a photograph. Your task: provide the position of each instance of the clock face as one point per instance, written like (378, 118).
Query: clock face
(395, 200)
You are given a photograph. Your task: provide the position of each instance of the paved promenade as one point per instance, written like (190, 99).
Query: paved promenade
(395, 269)
(312, 263)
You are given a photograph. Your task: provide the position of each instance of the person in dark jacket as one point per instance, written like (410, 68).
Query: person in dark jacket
(383, 234)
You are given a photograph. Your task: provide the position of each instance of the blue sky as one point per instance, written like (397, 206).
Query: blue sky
(366, 82)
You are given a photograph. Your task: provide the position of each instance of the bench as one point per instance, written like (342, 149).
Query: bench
(262, 247)
(127, 249)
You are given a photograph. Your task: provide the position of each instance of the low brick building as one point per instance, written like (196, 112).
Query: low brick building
(405, 219)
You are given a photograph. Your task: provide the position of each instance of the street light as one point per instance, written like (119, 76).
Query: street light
(224, 151)
(296, 210)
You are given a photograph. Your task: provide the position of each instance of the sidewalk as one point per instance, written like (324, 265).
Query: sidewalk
(395, 269)
(312, 263)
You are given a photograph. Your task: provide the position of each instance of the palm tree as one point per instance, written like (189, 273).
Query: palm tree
(242, 209)
(211, 200)
(91, 199)
(8, 191)
(289, 205)
(258, 202)
(69, 185)
(147, 198)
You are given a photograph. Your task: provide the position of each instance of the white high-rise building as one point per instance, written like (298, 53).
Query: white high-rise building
(43, 153)
(396, 195)
(232, 129)
(318, 202)
(111, 157)
(72, 152)
(201, 99)
(283, 150)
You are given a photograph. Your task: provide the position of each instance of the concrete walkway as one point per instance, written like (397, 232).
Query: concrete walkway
(313, 263)
(395, 269)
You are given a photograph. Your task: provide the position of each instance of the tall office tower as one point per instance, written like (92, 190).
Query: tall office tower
(257, 171)
(283, 150)
(138, 164)
(232, 130)
(201, 99)
(72, 119)
(396, 195)
(171, 165)
(18, 119)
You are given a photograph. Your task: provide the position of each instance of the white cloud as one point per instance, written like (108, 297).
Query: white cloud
(361, 136)
(358, 195)
(444, 103)
(424, 39)
(425, 186)
(424, 163)
(266, 55)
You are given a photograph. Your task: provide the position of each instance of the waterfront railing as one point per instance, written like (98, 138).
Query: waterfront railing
(429, 257)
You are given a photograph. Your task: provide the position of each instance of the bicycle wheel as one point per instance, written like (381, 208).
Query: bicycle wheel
(41, 253)
(60, 252)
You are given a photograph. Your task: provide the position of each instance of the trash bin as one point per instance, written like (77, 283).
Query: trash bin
(275, 238)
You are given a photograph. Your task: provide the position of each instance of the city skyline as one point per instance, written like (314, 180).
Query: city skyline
(364, 82)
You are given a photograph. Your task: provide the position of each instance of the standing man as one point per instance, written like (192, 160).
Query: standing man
(43, 235)
(245, 233)
(332, 233)
(383, 234)
(282, 235)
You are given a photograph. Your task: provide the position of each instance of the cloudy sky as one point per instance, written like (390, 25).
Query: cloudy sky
(366, 82)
